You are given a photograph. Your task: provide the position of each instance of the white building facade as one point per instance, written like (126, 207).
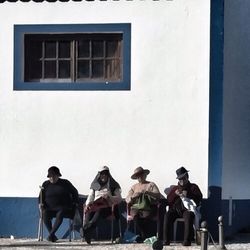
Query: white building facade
(149, 97)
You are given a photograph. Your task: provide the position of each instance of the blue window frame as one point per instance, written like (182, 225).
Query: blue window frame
(72, 57)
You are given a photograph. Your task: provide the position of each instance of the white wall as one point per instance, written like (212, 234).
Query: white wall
(236, 120)
(161, 124)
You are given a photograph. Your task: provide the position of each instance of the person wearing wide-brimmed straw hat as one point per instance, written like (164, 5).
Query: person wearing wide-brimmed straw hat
(149, 188)
(179, 194)
(58, 198)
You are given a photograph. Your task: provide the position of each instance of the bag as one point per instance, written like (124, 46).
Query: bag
(143, 203)
(130, 237)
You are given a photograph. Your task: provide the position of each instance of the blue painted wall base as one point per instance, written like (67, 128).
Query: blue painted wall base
(20, 216)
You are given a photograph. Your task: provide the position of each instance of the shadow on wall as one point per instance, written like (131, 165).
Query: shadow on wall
(211, 210)
(20, 217)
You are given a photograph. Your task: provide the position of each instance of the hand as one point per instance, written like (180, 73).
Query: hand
(106, 196)
(184, 193)
(87, 208)
(135, 195)
(178, 192)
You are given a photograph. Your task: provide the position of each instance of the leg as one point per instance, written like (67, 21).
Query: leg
(160, 219)
(139, 225)
(169, 219)
(59, 215)
(47, 218)
(188, 227)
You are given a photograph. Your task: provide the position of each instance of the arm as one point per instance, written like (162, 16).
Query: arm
(72, 191)
(195, 194)
(91, 197)
(172, 196)
(153, 191)
(133, 194)
(116, 198)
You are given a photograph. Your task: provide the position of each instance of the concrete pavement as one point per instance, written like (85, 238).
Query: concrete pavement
(31, 244)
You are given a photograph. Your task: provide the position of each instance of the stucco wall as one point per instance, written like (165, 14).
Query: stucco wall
(161, 124)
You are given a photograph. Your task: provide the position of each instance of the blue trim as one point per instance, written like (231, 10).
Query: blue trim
(20, 30)
(216, 93)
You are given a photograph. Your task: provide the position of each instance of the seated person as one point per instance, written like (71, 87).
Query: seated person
(58, 198)
(149, 191)
(177, 198)
(104, 192)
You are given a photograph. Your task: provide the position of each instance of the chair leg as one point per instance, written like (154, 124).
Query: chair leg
(112, 229)
(120, 228)
(175, 230)
(40, 230)
(70, 229)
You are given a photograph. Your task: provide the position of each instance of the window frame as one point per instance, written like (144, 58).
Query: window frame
(19, 35)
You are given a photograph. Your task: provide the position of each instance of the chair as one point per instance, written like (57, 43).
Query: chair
(40, 234)
(182, 220)
(115, 215)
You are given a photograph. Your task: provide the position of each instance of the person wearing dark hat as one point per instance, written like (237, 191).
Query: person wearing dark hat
(58, 199)
(104, 192)
(148, 190)
(177, 197)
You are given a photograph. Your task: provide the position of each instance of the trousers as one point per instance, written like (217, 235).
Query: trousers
(169, 220)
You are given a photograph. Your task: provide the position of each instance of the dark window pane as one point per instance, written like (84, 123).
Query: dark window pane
(35, 50)
(49, 69)
(64, 69)
(97, 68)
(112, 49)
(64, 49)
(113, 69)
(50, 49)
(83, 69)
(83, 48)
(36, 70)
(97, 49)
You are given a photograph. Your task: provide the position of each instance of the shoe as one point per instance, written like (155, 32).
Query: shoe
(186, 243)
(52, 238)
(166, 243)
(87, 236)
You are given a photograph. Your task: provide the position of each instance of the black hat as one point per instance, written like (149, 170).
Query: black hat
(53, 171)
(138, 171)
(181, 172)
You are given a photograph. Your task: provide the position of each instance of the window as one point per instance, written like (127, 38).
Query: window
(72, 57)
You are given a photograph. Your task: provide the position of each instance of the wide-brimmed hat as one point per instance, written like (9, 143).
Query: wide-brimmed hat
(139, 171)
(103, 168)
(181, 172)
(53, 171)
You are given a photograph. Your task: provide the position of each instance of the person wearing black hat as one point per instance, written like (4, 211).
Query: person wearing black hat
(177, 198)
(104, 192)
(58, 198)
(149, 191)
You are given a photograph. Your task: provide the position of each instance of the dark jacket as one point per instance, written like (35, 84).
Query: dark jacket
(61, 194)
(193, 192)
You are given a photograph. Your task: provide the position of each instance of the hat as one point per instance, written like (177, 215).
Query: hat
(181, 172)
(53, 171)
(103, 168)
(138, 171)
